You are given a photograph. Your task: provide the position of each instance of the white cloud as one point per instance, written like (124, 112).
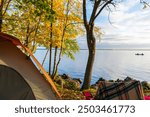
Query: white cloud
(131, 24)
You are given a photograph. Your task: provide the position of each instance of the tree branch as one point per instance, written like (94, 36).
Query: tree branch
(74, 23)
(6, 7)
(96, 5)
(143, 2)
(101, 9)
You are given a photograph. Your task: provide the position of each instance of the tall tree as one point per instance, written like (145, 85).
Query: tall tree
(70, 30)
(98, 7)
(60, 32)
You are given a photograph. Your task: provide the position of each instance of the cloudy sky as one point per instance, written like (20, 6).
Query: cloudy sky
(130, 26)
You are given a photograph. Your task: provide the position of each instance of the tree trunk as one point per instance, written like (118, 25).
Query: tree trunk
(91, 57)
(1, 22)
(50, 59)
(1, 15)
(54, 66)
(98, 7)
(27, 35)
(50, 49)
(45, 57)
(51, 37)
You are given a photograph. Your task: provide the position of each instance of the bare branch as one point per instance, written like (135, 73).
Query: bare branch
(110, 20)
(95, 7)
(101, 9)
(143, 2)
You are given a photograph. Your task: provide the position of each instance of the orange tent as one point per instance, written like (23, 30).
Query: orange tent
(10, 55)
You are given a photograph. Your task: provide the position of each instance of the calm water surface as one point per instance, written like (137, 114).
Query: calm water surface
(109, 64)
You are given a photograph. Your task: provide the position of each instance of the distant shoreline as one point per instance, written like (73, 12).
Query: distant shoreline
(109, 49)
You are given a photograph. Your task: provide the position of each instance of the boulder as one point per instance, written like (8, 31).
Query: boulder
(68, 82)
(111, 81)
(100, 79)
(128, 78)
(119, 80)
(71, 84)
(65, 76)
(77, 80)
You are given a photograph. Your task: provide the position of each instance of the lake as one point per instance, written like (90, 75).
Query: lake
(109, 64)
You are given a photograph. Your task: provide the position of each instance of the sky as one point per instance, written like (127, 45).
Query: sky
(129, 27)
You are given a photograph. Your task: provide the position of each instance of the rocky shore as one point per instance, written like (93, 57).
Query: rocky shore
(68, 82)
(70, 87)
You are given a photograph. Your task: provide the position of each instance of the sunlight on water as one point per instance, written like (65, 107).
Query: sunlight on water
(109, 64)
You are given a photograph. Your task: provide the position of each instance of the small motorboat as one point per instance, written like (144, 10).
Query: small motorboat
(139, 54)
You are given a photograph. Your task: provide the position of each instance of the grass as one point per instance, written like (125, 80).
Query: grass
(73, 94)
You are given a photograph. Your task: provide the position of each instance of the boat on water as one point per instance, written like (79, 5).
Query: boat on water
(139, 54)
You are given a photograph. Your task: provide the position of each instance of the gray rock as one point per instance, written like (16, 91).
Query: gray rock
(128, 78)
(78, 80)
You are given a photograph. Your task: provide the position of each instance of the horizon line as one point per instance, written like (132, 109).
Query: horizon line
(118, 49)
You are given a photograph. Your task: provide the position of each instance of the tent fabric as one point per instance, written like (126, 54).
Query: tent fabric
(131, 90)
(45, 74)
(13, 57)
(13, 86)
(7, 37)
